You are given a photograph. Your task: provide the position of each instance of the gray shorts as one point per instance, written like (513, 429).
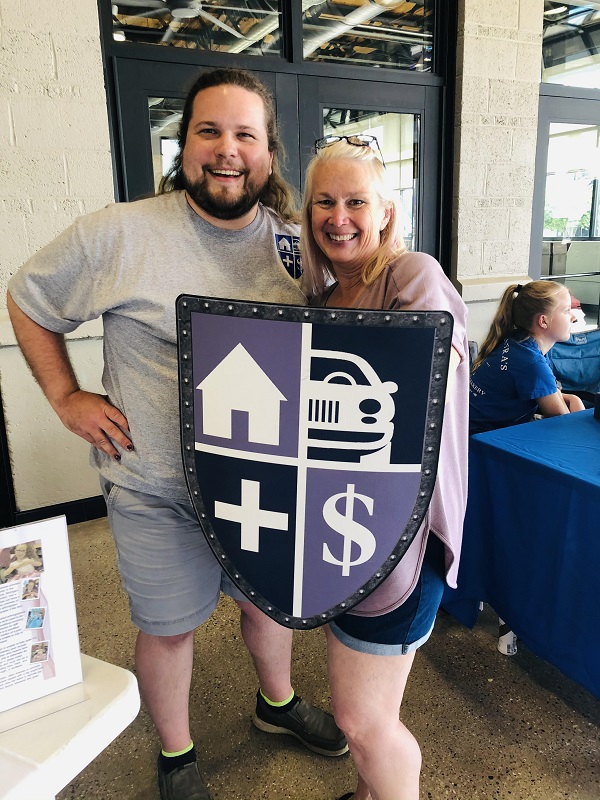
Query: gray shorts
(168, 570)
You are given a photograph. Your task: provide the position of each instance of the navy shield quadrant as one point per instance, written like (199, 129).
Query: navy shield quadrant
(310, 444)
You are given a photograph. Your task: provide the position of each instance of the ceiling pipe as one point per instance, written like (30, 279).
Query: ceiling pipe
(356, 17)
(171, 32)
(262, 29)
(160, 125)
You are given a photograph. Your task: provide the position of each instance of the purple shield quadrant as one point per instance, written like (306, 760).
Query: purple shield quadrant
(249, 373)
(353, 522)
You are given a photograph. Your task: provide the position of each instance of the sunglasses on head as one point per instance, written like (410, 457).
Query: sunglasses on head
(358, 140)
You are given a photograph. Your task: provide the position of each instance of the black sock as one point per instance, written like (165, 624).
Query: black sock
(279, 709)
(169, 763)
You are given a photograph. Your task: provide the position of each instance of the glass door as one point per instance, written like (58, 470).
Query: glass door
(565, 243)
(398, 137)
(403, 120)
(150, 97)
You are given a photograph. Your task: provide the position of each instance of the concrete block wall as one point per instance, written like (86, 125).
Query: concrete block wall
(498, 75)
(56, 161)
(55, 164)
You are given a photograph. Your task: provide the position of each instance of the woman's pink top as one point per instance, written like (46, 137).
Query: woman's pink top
(416, 282)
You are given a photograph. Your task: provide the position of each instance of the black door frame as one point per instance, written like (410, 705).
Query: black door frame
(423, 101)
(136, 80)
(300, 124)
(436, 109)
(8, 506)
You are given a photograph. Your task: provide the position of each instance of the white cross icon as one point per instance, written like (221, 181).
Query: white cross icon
(287, 260)
(251, 516)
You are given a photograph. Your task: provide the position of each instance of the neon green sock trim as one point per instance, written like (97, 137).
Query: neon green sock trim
(179, 752)
(280, 703)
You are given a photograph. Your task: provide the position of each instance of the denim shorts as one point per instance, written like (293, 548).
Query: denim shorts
(407, 627)
(168, 570)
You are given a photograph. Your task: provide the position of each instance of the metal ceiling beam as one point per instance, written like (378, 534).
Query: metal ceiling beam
(262, 29)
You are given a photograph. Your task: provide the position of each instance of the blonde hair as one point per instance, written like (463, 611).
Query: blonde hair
(318, 269)
(518, 308)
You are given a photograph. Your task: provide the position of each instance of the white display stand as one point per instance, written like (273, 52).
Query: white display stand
(43, 751)
(58, 709)
(39, 643)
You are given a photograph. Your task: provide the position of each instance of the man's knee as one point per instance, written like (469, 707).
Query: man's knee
(150, 641)
(252, 615)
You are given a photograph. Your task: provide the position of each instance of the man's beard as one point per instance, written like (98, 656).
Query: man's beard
(222, 206)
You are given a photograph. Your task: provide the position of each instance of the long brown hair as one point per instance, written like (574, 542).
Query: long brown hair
(277, 194)
(518, 308)
(317, 266)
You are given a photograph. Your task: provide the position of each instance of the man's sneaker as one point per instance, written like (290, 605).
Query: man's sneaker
(182, 783)
(313, 727)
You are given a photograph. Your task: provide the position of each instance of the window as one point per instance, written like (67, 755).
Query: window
(164, 117)
(397, 135)
(396, 35)
(569, 155)
(251, 27)
(571, 44)
(565, 238)
(386, 34)
(571, 199)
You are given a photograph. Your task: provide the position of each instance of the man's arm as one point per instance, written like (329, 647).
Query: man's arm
(88, 415)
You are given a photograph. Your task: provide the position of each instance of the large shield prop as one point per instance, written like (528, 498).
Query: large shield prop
(310, 444)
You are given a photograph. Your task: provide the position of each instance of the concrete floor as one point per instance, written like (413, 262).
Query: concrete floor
(489, 726)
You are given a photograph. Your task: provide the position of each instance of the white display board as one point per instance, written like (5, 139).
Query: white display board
(39, 642)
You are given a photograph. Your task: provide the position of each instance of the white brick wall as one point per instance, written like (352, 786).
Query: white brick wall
(55, 164)
(498, 76)
(55, 155)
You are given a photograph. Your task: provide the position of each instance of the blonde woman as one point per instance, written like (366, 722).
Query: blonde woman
(353, 257)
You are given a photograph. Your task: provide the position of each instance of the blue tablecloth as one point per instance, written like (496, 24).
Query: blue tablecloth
(531, 544)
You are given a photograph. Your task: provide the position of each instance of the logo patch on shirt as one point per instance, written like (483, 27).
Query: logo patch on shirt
(288, 247)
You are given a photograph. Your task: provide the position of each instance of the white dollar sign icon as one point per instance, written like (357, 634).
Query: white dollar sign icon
(353, 532)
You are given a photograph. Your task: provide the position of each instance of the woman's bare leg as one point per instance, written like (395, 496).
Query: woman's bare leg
(367, 692)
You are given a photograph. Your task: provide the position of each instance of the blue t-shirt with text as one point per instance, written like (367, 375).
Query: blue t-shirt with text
(504, 388)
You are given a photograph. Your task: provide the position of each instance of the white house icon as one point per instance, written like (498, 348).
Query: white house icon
(238, 383)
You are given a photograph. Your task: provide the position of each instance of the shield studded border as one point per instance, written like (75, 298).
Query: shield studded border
(438, 323)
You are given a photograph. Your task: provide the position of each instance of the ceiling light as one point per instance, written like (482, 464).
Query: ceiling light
(185, 9)
(555, 11)
(184, 13)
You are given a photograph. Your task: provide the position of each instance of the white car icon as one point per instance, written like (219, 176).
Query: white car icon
(351, 408)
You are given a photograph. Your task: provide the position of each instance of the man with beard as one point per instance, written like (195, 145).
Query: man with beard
(215, 229)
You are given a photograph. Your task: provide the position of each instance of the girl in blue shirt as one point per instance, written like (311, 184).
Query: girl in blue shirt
(512, 379)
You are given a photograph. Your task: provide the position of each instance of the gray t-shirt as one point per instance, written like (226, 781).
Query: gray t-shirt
(128, 263)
